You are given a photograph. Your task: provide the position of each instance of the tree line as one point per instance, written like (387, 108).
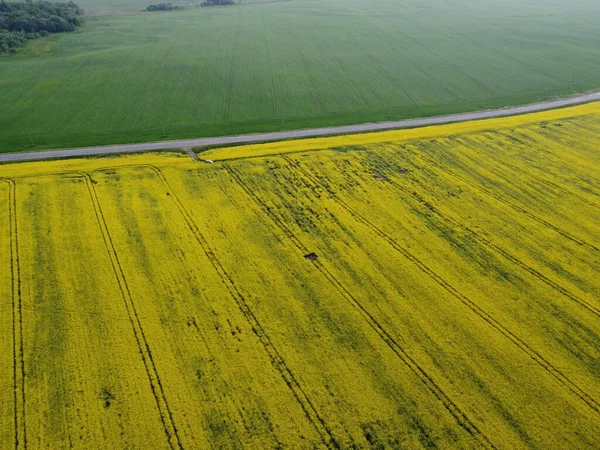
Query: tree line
(30, 20)
(216, 2)
(163, 7)
(172, 7)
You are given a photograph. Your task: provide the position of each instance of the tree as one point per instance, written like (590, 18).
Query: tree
(32, 19)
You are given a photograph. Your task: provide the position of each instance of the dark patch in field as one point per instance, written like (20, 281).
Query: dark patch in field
(383, 166)
(422, 201)
(378, 435)
(425, 438)
(514, 139)
(192, 323)
(464, 243)
(107, 397)
(379, 176)
(304, 218)
(311, 256)
(454, 192)
(221, 432)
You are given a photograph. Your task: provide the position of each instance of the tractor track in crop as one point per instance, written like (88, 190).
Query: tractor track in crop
(556, 187)
(452, 174)
(275, 357)
(480, 312)
(140, 93)
(156, 385)
(20, 425)
(231, 72)
(487, 243)
(506, 255)
(460, 416)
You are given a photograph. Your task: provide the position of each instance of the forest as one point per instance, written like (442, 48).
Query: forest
(163, 7)
(20, 22)
(217, 3)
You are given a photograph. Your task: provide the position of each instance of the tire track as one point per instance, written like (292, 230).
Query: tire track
(523, 171)
(95, 93)
(486, 242)
(480, 312)
(275, 357)
(558, 150)
(309, 73)
(348, 72)
(378, 63)
(460, 416)
(140, 93)
(272, 86)
(439, 56)
(20, 424)
(489, 193)
(232, 66)
(40, 99)
(156, 385)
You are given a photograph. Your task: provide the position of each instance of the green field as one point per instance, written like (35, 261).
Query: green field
(127, 77)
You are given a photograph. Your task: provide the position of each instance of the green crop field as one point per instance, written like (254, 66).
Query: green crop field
(131, 77)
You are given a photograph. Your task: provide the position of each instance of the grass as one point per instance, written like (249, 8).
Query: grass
(453, 300)
(296, 64)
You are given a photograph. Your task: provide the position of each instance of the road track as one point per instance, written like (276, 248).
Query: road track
(295, 134)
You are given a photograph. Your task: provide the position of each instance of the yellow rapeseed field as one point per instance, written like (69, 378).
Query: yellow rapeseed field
(429, 288)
